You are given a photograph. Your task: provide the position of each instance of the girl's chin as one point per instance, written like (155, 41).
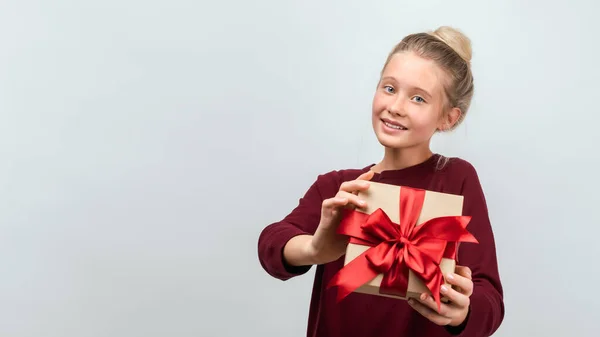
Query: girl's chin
(397, 142)
(390, 140)
(392, 144)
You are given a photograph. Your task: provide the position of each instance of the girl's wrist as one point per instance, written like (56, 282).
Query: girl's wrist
(310, 251)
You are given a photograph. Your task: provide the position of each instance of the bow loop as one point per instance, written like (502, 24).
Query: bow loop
(379, 227)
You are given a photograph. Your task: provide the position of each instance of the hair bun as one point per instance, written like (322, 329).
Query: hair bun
(456, 40)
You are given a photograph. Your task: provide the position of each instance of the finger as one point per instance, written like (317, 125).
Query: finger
(464, 284)
(464, 271)
(335, 202)
(428, 301)
(353, 199)
(359, 184)
(342, 199)
(354, 185)
(330, 209)
(366, 176)
(429, 313)
(456, 298)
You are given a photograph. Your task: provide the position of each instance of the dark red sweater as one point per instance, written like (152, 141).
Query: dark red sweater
(367, 315)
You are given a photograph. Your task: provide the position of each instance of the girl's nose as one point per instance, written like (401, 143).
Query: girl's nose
(396, 107)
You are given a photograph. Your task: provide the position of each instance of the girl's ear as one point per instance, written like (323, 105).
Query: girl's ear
(450, 119)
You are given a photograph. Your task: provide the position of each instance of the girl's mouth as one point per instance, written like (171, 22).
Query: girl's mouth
(393, 125)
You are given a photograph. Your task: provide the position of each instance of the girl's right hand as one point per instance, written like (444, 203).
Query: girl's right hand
(326, 245)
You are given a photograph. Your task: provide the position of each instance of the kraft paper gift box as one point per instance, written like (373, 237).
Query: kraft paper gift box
(440, 214)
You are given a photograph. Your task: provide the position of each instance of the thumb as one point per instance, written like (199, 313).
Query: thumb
(366, 176)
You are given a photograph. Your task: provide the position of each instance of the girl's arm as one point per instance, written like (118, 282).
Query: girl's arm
(295, 229)
(487, 303)
(308, 235)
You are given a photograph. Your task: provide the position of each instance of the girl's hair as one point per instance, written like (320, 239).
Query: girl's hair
(451, 50)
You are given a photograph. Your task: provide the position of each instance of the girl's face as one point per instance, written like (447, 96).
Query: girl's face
(409, 102)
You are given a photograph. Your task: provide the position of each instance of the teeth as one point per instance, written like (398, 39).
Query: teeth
(397, 127)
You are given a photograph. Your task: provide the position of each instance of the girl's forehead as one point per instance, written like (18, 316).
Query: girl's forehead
(413, 70)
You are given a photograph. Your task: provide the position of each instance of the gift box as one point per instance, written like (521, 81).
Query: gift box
(402, 244)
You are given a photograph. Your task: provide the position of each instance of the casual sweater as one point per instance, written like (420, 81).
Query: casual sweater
(369, 315)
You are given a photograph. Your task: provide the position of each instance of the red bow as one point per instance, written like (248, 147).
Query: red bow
(396, 248)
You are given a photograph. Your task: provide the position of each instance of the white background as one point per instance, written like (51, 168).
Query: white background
(145, 144)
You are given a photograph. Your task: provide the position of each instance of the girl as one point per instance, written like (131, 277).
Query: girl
(425, 87)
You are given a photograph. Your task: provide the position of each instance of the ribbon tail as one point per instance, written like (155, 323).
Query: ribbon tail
(434, 284)
(352, 276)
(428, 270)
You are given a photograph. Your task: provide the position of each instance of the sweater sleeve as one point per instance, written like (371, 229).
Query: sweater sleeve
(487, 304)
(304, 219)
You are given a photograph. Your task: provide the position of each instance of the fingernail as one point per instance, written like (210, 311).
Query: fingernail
(444, 289)
(423, 297)
(450, 276)
(411, 301)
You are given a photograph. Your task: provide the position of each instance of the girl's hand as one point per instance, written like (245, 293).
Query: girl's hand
(326, 245)
(455, 312)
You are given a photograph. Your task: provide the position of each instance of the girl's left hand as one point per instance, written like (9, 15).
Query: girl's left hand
(456, 310)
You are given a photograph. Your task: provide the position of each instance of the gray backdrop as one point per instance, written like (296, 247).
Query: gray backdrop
(145, 144)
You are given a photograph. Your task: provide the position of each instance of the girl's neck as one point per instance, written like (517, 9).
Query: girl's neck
(397, 159)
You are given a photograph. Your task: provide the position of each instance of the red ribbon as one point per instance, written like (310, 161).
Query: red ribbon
(396, 248)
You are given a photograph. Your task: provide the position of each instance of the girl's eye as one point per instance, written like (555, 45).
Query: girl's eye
(419, 99)
(388, 89)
